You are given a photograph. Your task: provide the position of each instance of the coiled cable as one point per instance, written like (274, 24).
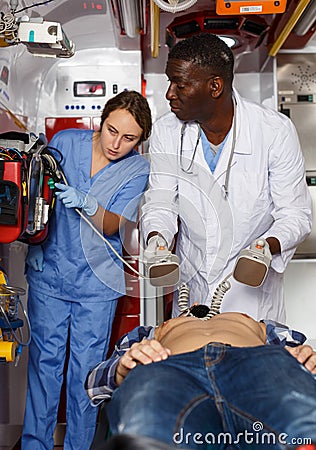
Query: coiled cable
(220, 291)
(218, 296)
(183, 297)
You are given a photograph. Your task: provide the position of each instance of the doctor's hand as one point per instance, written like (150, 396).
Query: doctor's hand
(154, 243)
(35, 258)
(144, 352)
(73, 198)
(305, 355)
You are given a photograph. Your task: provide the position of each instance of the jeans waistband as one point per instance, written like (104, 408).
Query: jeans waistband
(219, 344)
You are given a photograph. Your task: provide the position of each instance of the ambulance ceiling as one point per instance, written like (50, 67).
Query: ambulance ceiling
(141, 24)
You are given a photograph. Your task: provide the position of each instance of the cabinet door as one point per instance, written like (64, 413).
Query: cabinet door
(128, 305)
(121, 325)
(55, 124)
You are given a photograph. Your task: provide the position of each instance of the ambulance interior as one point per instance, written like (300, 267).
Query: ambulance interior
(61, 60)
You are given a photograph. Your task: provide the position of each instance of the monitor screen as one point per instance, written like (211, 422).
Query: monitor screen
(89, 89)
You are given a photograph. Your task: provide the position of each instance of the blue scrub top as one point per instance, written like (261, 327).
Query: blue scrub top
(78, 265)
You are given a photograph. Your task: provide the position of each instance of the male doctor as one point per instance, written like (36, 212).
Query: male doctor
(224, 172)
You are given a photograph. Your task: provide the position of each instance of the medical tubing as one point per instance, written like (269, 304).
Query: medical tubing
(183, 297)
(27, 321)
(33, 5)
(218, 295)
(179, 6)
(39, 162)
(52, 163)
(108, 243)
(8, 23)
(14, 4)
(24, 344)
(94, 228)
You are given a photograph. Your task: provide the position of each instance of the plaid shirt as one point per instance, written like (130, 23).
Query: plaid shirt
(100, 382)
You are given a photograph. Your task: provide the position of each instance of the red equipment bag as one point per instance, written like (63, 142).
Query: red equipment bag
(13, 195)
(27, 196)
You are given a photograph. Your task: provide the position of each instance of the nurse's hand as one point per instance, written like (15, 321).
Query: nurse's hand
(144, 352)
(73, 198)
(154, 243)
(35, 258)
(305, 355)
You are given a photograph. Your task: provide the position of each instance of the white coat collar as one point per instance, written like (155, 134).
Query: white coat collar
(243, 142)
(243, 136)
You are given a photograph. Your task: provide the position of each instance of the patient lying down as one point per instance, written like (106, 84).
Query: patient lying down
(189, 376)
(186, 334)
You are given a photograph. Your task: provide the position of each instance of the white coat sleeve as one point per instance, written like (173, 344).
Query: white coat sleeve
(288, 188)
(160, 209)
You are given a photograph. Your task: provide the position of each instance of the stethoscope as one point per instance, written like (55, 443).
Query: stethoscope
(188, 170)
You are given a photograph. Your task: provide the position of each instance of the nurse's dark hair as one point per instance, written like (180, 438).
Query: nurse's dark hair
(208, 52)
(136, 104)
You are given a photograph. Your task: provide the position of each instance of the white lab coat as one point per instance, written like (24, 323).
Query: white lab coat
(267, 196)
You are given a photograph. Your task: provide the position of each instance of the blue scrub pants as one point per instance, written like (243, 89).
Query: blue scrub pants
(219, 397)
(89, 326)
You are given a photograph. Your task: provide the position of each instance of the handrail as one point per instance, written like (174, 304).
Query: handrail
(288, 27)
(154, 29)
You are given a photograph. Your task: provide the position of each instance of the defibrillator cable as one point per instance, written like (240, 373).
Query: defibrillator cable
(95, 229)
(220, 291)
(218, 296)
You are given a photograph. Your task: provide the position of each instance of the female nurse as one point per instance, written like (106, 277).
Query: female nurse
(75, 278)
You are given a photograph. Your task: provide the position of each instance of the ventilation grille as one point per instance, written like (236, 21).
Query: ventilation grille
(255, 28)
(221, 24)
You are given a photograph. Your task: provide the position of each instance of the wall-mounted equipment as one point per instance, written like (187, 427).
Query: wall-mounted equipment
(247, 32)
(82, 90)
(296, 78)
(130, 16)
(27, 196)
(229, 7)
(41, 38)
(45, 38)
(11, 343)
(89, 88)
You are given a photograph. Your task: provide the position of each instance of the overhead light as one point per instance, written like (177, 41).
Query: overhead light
(231, 42)
(240, 33)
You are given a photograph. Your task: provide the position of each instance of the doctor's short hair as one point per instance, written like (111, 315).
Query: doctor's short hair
(136, 104)
(207, 51)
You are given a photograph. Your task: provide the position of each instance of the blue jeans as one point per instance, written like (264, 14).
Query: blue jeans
(219, 397)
